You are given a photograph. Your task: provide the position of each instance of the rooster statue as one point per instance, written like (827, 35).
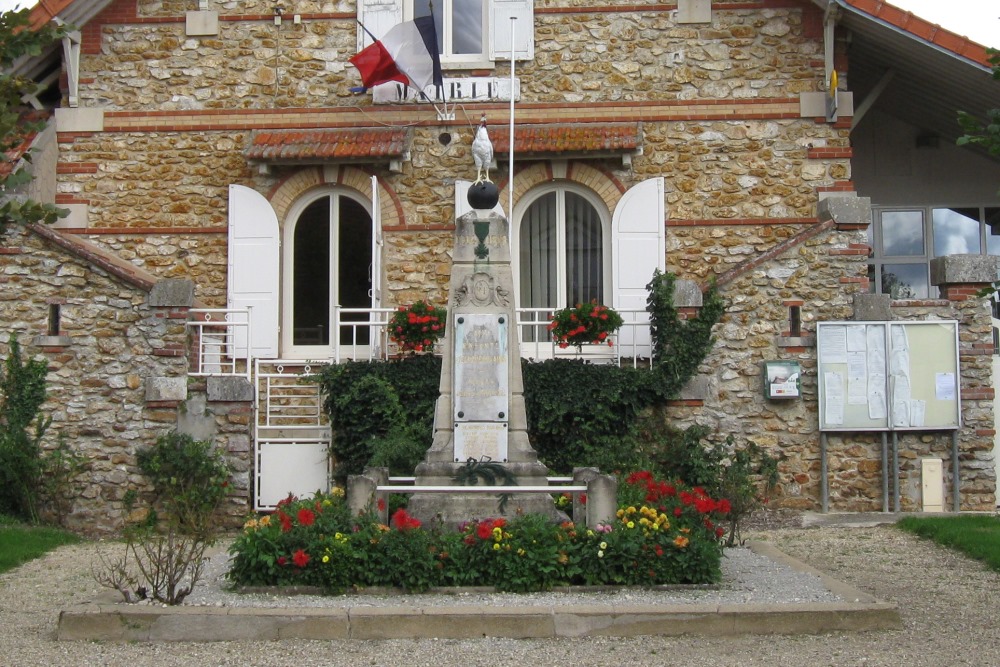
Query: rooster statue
(482, 152)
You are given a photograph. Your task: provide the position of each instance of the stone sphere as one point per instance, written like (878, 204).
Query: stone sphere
(483, 196)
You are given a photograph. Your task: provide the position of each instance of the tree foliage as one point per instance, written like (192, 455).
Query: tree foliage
(18, 39)
(977, 132)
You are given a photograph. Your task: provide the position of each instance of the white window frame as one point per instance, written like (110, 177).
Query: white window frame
(450, 60)
(290, 350)
(378, 16)
(606, 248)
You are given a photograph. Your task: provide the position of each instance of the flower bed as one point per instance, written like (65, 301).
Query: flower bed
(663, 534)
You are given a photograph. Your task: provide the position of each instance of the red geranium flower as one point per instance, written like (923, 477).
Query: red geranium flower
(300, 558)
(286, 521)
(306, 516)
(401, 520)
(282, 560)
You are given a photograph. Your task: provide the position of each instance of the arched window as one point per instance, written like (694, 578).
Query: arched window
(327, 262)
(563, 248)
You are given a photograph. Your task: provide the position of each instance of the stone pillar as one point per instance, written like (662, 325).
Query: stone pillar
(960, 279)
(360, 493)
(581, 477)
(602, 496)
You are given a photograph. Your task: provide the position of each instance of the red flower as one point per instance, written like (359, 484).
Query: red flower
(300, 558)
(724, 506)
(678, 511)
(484, 530)
(282, 560)
(381, 504)
(286, 521)
(403, 521)
(583, 498)
(306, 517)
(719, 532)
(704, 505)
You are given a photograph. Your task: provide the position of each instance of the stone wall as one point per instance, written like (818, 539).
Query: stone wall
(117, 373)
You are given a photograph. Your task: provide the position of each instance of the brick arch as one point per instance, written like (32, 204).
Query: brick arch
(294, 186)
(608, 188)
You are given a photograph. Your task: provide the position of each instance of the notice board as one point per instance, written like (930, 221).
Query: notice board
(888, 376)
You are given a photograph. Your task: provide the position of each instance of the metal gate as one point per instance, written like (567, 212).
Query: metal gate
(291, 432)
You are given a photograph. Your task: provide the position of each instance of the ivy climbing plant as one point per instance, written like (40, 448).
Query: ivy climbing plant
(579, 414)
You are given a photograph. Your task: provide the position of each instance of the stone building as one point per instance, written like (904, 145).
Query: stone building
(212, 156)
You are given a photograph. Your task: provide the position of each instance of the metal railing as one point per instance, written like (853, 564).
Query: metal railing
(631, 343)
(366, 332)
(220, 339)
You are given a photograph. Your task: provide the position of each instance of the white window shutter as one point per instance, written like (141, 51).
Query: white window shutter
(253, 270)
(500, 28)
(638, 249)
(378, 16)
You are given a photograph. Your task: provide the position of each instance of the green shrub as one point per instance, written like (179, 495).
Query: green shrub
(22, 427)
(189, 478)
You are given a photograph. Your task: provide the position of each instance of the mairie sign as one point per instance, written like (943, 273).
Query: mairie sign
(473, 89)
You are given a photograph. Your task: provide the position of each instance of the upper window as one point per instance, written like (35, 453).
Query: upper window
(460, 27)
(904, 241)
(563, 243)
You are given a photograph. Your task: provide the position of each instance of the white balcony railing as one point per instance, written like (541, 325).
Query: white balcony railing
(219, 340)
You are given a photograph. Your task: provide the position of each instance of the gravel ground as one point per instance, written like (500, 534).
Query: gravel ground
(950, 608)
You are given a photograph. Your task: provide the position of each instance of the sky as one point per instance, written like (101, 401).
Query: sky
(978, 20)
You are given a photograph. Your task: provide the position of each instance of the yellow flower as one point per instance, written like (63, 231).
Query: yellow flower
(496, 546)
(264, 521)
(250, 524)
(603, 545)
(680, 541)
(326, 559)
(338, 536)
(631, 509)
(337, 492)
(520, 552)
(600, 554)
(620, 513)
(630, 524)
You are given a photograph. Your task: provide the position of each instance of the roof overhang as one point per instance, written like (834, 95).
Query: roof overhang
(570, 141)
(363, 145)
(915, 70)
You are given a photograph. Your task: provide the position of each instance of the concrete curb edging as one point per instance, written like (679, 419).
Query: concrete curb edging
(119, 622)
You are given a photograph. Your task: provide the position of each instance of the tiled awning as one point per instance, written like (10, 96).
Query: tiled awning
(579, 139)
(364, 144)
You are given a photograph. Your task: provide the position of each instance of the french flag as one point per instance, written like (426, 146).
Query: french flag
(407, 53)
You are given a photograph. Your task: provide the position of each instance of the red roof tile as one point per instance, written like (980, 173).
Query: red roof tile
(575, 138)
(357, 144)
(923, 29)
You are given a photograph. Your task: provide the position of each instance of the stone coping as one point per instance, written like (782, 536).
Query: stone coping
(857, 611)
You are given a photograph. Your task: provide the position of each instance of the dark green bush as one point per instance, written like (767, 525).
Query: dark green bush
(189, 478)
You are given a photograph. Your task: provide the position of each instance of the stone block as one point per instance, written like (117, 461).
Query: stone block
(845, 210)
(694, 11)
(200, 24)
(172, 292)
(964, 269)
(872, 308)
(229, 389)
(166, 389)
(79, 119)
(687, 294)
(698, 388)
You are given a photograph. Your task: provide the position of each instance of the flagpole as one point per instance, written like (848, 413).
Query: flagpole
(510, 154)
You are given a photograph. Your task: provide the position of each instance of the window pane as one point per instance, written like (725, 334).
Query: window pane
(956, 231)
(354, 254)
(538, 254)
(905, 281)
(421, 8)
(993, 231)
(467, 26)
(902, 233)
(584, 266)
(311, 276)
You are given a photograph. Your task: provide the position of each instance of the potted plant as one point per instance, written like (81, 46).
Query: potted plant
(416, 328)
(585, 323)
